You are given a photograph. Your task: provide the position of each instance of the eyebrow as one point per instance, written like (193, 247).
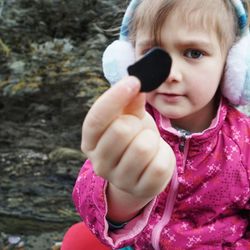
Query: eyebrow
(195, 43)
(185, 43)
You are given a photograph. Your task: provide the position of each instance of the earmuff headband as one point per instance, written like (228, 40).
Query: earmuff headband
(238, 6)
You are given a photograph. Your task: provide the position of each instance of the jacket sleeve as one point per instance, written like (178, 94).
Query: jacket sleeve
(90, 201)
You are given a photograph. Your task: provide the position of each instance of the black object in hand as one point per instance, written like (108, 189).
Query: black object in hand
(152, 69)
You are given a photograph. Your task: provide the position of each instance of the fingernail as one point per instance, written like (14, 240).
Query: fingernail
(133, 84)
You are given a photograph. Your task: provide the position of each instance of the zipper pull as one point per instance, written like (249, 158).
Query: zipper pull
(182, 143)
(183, 137)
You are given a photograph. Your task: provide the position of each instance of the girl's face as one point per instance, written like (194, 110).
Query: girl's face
(187, 97)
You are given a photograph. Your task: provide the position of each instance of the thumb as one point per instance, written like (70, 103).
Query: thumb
(107, 107)
(137, 106)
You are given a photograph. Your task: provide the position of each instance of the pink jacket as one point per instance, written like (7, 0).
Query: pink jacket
(206, 207)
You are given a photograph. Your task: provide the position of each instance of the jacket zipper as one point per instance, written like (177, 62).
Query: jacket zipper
(156, 233)
(182, 143)
(183, 139)
(184, 147)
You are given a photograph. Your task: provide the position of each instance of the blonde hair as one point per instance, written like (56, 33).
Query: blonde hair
(211, 15)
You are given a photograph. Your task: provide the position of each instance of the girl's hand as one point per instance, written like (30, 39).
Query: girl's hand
(123, 143)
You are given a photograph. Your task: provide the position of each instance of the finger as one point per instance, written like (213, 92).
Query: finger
(159, 172)
(113, 144)
(149, 122)
(106, 109)
(137, 156)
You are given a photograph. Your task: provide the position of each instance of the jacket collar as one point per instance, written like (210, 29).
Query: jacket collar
(165, 128)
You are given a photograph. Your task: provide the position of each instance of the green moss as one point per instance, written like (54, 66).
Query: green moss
(4, 49)
(23, 86)
(3, 84)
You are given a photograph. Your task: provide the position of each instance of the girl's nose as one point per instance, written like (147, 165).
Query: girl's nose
(175, 73)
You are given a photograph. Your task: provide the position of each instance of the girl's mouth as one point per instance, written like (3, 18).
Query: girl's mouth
(170, 97)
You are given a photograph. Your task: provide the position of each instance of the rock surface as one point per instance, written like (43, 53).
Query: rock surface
(50, 74)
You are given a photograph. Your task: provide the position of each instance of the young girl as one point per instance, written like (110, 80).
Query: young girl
(176, 174)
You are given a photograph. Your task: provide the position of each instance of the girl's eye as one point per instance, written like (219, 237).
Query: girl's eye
(194, 54)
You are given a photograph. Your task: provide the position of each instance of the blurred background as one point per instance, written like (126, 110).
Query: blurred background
(50, 74)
